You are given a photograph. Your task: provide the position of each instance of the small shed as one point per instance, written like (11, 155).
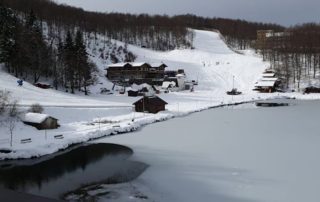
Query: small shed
(40, 121)
(152, 104)
(133, 93)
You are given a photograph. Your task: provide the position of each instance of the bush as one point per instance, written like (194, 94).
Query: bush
(4, 101)
(36, 108)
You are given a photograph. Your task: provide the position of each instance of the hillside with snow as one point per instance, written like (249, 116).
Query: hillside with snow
(82, 118)
(211, 62)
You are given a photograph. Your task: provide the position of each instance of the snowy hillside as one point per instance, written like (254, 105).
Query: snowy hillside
(211, 62)
(82, 118)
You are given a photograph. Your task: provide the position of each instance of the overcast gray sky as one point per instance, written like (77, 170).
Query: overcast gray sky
(285, 12)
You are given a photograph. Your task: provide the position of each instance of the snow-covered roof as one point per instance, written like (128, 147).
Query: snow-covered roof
(269, 79)
(144, 85)
(34, 117)
(157, 64)
(269, 70)
(137, 64)
(118, 65)
(180, 75)
(166, 84)
(133, 64)
(268, 74)
(141, 86)
(151, 99)
(265, 84)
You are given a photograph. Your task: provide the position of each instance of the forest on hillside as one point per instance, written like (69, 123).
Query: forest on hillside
(239, 34)
(295, 54)
(154, 32)
(28, 55)
(39, 37)
(34, 34)
(158, 32)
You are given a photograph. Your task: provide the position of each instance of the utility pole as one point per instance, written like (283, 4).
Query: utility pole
(99, 122)
(143, 104)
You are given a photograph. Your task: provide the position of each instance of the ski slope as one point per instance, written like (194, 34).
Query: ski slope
(211, 62)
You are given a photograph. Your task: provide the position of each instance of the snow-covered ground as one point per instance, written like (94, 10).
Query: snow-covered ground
(228, 155)
(82, 118)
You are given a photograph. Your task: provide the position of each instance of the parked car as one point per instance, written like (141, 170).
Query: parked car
(311, 89)
(42, 85)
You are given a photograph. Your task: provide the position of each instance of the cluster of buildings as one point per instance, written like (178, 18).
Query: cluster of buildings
(267, 39)
(138, 73)
(147, 79)
(154, 74)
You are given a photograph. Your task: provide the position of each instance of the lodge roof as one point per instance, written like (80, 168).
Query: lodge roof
(137, 64)
(152, 99)
(265, 84)
(158, 65)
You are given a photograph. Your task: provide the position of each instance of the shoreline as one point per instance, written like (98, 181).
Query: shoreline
(117, 129)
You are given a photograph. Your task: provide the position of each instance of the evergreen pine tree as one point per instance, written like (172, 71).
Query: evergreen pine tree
(69, 61)
(82, 62)
(8, 24)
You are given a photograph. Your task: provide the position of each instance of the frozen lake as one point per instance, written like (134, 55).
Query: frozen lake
(240, 154)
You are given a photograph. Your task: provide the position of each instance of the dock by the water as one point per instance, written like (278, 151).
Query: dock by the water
(271, 104)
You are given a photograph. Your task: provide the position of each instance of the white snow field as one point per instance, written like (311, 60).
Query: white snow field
(83, 118)
(229, 155)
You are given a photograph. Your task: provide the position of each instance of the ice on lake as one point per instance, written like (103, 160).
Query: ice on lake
(232, 154)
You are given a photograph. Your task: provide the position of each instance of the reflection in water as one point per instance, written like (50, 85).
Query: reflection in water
(65, 172)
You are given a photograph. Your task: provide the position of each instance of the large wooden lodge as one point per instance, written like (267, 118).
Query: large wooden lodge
(138, 73)
(268, 83)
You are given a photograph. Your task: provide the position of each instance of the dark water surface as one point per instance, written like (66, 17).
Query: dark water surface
(52, 176)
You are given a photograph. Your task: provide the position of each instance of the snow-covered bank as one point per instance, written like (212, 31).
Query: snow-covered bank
(84, 131)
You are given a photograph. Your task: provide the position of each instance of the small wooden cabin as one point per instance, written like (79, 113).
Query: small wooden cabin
(152, 104)
(40, 121)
